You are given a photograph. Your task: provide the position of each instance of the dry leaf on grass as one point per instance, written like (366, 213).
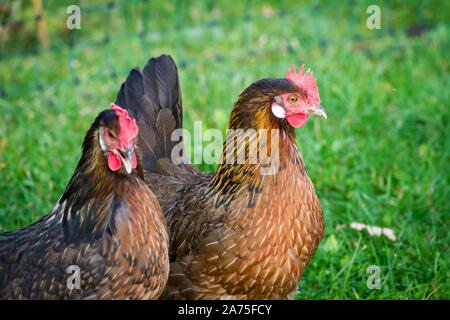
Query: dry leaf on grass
(373, 230)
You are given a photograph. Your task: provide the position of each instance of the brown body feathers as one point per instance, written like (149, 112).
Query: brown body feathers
(235, 233)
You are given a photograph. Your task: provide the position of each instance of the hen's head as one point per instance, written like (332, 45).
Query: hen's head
(284, 102)
(116, 135)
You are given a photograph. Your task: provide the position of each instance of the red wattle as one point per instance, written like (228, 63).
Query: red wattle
(134, 165)
(113, 162)
(298, 119)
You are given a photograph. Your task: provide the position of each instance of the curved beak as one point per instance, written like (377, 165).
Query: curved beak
(126, 156)
(316, 109)
(128, 160)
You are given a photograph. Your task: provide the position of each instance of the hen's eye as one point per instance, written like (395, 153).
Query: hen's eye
(292, 99)
(111, 135)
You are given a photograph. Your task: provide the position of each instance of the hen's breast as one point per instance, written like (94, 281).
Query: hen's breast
(266, 242)
(143, 249)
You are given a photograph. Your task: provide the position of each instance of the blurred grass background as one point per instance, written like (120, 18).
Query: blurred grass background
(381, 158)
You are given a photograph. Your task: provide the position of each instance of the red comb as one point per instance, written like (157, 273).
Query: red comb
(128, 128)
(306, 82)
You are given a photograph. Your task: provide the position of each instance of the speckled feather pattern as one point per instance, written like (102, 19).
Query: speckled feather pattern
(243, 251)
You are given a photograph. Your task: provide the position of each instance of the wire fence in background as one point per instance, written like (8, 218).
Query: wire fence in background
(31, 30)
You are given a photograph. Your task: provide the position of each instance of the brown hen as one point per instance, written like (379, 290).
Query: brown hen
(107, 229)
(248, 230)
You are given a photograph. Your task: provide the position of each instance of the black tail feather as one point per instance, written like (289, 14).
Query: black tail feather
(152, 96)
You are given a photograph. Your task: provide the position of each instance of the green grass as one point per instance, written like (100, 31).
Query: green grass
(381, 158)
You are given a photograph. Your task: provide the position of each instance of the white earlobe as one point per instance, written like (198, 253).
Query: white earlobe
(278, 111)
(100, 138)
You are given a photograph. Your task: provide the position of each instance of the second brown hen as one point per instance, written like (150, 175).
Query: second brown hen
(240, 232)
